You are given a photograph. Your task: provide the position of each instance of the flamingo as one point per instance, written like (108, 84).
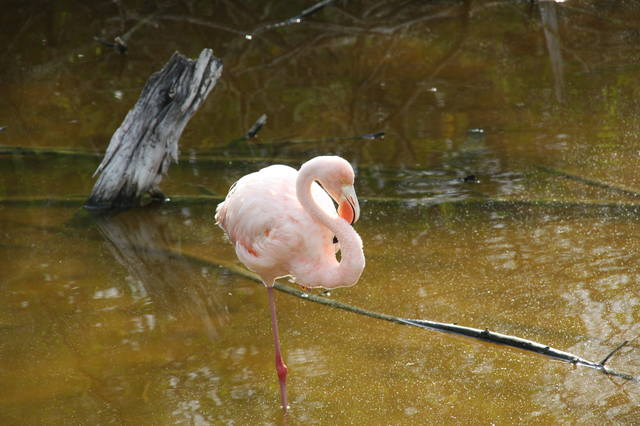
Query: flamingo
(282, 223)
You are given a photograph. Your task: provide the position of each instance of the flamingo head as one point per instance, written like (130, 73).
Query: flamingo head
(337, 178)
(348, 207)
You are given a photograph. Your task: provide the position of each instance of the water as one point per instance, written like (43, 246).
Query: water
(132, 319)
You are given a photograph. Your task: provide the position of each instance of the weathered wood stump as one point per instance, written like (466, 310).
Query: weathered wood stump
(145, 144)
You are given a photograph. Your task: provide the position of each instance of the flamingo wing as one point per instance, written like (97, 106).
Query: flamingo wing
(272, 233)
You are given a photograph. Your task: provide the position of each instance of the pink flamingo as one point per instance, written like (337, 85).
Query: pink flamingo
(281, 223)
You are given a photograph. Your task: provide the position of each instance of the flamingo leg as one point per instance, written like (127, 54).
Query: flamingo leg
(281, 368)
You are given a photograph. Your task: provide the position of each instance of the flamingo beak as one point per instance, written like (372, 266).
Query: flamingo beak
(348, 207)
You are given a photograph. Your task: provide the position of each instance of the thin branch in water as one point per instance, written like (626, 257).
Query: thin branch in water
(284, 143)
(119, 45)
(290, 21)
(348, 15)
(590, 181)
(488, 203)
(201, 22)
(478, 334)
(120, 42)
(204, 191)
(251, 133)
(257, 126)
(35, 151)
(438, 66)
(367, 137)
(474, 333)
(27, 151)
(620, 346)
(288, 56)
(381, 29)
(448, 13)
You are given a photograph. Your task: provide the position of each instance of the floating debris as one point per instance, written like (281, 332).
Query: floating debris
(376, 135)
(475, 131)
(253, 131)
(119, 45)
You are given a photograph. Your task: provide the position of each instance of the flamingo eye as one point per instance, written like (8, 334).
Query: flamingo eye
(335, 240)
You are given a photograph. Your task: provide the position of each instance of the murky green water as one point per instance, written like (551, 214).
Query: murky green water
(132, 320)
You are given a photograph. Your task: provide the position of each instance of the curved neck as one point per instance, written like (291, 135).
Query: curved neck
(348, 270)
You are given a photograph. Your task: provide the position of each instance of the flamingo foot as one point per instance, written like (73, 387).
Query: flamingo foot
(281, 369)
(305, 288)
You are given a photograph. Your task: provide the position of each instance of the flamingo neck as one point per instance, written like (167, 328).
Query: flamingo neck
(346, 272)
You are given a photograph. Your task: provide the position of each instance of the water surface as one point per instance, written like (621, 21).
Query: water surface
(132, 318)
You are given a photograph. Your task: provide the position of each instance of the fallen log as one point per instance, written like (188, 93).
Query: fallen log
(146, 143)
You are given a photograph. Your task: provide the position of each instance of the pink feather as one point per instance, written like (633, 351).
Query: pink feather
(281, 222)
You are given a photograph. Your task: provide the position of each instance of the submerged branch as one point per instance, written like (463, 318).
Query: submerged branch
(591, 182)
(256, 127)
(250, 134)
(202, 22)
(207, 196)
(292, 20)
(52, 151)
(620, 346)
(474, 333)
(367, 137)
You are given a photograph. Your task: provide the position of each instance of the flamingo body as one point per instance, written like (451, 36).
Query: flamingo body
(281, 222)
(275, 235)
(272, 233)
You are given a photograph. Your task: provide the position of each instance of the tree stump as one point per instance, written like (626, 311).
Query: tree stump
(145, 144)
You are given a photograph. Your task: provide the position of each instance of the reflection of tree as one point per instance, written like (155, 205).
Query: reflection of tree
(424, 72)
(364, 65)
(549, 16)
(593, 286)
(602, 319)
(138, 239)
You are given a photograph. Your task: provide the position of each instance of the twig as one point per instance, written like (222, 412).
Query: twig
(253, 130)
(478, 334)
(490, 203)
(257, 126)
(251, 133)
(119, 45)
(120, 42)
(293, 20)
(288, 56)
(620, 346)
(590, 182)
(42, 202)
(31, 150)
(382, 29)
(367, 137)
(204, 190)
(201, 22)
